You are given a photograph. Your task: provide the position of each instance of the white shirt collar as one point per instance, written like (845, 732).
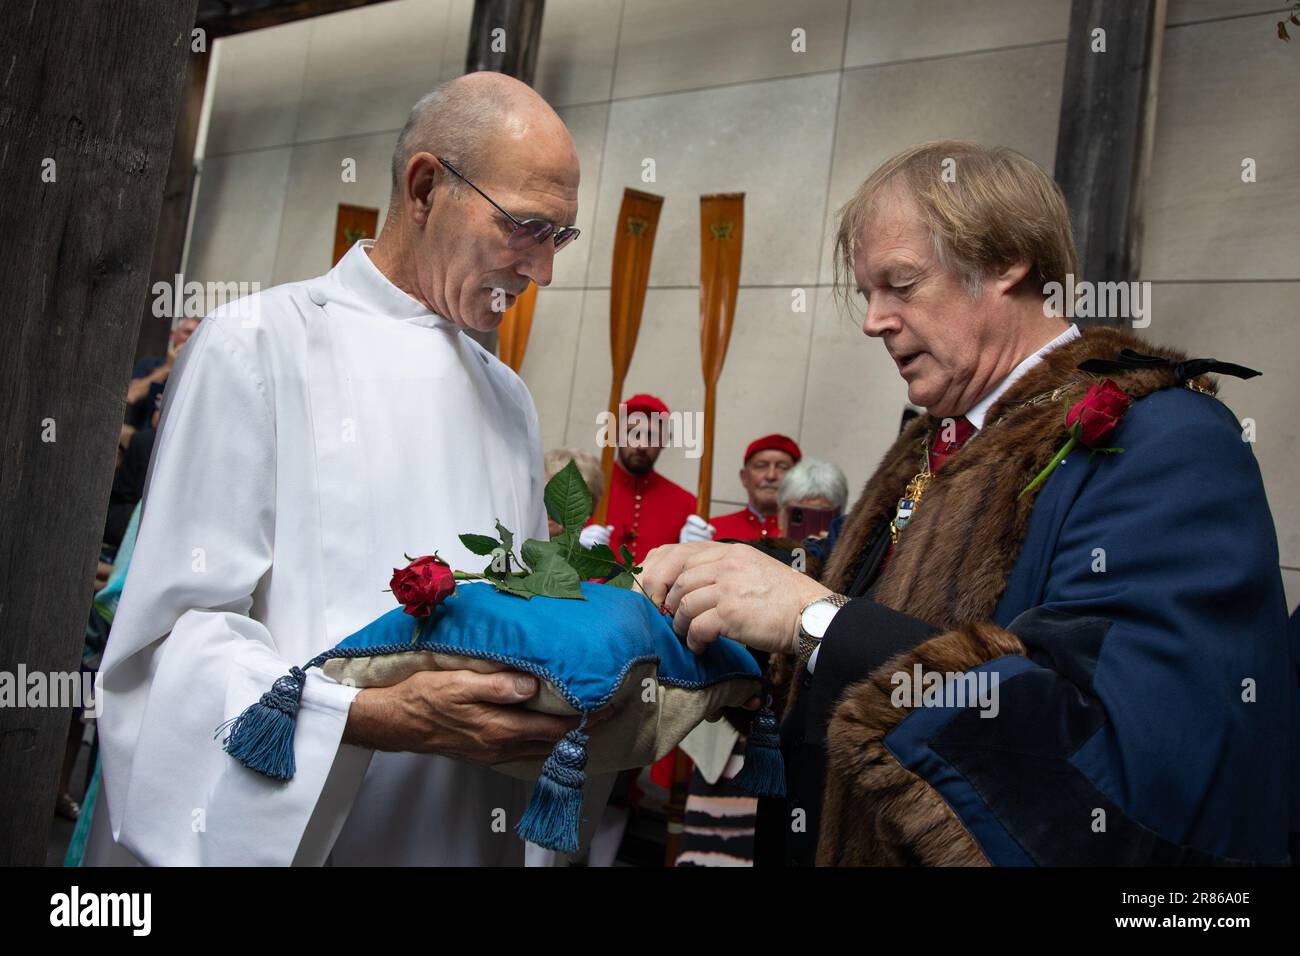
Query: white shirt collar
(359, 275)
(981, 408)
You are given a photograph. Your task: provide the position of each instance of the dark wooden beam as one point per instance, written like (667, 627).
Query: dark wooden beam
(94, 88)
(221, 18)
(1103, 141)
(503, 37)
(173, 218)
(513, 50)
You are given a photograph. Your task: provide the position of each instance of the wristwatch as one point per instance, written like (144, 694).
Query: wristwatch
(814, 620)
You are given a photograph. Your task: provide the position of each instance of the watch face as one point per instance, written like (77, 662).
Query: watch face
(817, 618)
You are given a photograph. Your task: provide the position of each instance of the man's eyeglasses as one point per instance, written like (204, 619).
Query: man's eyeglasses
(529, 232)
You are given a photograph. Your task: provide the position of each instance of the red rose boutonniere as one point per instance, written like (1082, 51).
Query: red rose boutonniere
(1091, 423)
(423, 584)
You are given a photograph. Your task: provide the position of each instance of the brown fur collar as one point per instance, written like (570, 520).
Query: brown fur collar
(950, 568)
(952, 561)
(874, 812)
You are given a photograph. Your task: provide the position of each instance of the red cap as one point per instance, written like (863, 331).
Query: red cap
(645, 403)
(773, 443)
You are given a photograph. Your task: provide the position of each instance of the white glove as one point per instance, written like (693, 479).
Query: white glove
(696, 529)
(595, 534)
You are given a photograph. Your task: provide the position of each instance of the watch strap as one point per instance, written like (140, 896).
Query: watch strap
(807, 642)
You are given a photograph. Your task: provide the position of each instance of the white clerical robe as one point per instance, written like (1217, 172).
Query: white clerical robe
(311, 435)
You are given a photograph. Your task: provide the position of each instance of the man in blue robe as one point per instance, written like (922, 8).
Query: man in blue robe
(1090, 668)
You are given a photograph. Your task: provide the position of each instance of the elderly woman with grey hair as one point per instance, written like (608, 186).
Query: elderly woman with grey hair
(811, 484)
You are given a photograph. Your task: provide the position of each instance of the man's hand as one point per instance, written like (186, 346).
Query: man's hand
(696, 529)
(461, 714)
(729, 590)
(138, 390)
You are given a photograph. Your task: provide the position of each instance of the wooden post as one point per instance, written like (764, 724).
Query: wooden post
(1106, 125)
(87, 115)
(503, 38)
(174, 217)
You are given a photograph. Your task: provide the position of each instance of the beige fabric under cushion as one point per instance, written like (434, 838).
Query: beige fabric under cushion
(647, 719)
(710, 746)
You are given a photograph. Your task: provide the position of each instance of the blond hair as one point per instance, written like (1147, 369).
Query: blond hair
(985, 207)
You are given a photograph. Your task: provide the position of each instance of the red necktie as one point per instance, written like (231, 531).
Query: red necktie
(941, 449)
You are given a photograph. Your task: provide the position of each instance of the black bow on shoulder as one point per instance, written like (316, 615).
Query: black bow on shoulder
(1187, 369)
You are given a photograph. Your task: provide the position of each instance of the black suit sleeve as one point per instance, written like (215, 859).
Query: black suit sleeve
(862, 636)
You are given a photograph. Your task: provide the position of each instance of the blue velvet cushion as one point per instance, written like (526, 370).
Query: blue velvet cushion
(583, 649)
(613, 652)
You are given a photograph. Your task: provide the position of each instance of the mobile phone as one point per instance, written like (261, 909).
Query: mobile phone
(806, 522)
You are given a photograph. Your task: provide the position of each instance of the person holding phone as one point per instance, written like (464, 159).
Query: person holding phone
(811, 496)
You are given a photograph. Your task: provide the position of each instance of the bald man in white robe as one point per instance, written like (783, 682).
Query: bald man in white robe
(311, 435)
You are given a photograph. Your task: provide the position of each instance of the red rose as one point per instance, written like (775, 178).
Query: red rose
(1099, 413)
(423, 584)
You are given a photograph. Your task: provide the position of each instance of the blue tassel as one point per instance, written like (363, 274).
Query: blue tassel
(552, 817)
(261, 738)
(763, 774)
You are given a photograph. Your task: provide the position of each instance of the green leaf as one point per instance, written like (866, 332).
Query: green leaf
(623, 580)
(534, 552)
(513, 587)
(479, 543)
(626, 555)
(507, 539)
(599, 562)
(568, 501)
(553, 577)
(568, 544)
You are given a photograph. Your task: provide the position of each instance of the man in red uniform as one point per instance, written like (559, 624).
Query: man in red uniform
(645, 508)
(645, 511)
(767, 459)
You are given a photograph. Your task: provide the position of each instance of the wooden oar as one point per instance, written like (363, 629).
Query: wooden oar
(512, 333)
(722, 229)
(634, 241)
